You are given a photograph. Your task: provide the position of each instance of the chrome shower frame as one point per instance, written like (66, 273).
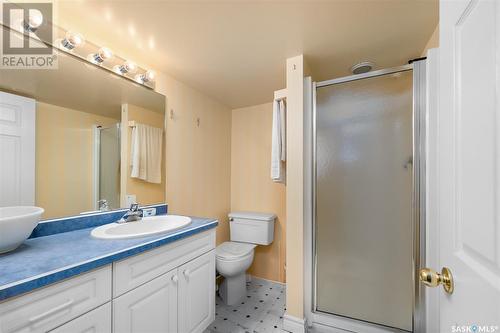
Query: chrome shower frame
(315, 318)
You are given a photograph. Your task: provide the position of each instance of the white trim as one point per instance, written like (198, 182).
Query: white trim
(262, 279)
(124, 164)
(432, 227)
(309, 98)
(293, 324)
(349, 324)
(280, 94)
(96, 150)
(319, 328)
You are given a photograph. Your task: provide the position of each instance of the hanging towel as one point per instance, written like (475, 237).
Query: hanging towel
(278, 150)
(146, 153)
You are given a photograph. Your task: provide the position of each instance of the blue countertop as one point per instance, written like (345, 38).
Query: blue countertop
(44, 260)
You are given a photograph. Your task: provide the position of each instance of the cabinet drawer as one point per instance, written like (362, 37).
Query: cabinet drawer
(135, 271)
(96, 321)
(47, 308)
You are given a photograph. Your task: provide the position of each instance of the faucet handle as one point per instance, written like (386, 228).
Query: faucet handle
(134, 207)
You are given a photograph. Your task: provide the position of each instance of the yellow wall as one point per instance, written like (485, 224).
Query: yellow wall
(433, 41)
(64, 159)
(146, 193)
(295, 186)
(251, 186)
(198, 157)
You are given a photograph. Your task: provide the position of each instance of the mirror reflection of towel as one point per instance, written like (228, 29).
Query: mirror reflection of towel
(146, 153)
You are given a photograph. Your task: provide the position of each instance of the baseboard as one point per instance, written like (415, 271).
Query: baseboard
(318, 328)
(293, 324)
(253, 277)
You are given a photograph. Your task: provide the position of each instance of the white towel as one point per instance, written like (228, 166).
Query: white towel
(278, 150)
(146, 153)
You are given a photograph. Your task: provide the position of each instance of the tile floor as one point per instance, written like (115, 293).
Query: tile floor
(261, 312)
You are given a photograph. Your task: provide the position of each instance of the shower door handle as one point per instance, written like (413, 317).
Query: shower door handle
(431, 278)
(408, 163)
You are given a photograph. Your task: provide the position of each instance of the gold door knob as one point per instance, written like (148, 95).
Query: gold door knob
(433, 279)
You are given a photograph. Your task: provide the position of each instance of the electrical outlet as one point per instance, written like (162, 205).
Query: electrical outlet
(148, 212)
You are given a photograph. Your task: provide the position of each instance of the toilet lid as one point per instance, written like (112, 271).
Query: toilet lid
(233, 250)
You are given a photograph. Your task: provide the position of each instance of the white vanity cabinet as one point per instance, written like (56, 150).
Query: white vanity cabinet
(197, 293)
(97, 320)
(169, 289)
(151, 307)
(181, 300)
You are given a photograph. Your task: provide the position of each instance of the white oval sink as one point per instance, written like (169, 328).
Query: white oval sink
(146, 227)
(16, 225)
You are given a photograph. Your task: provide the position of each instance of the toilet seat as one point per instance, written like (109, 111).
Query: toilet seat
(233, 250)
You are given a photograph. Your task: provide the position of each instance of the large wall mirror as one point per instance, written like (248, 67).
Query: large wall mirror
(79, 139)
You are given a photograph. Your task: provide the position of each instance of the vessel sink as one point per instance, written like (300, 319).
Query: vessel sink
(150, 225)
(16, 225)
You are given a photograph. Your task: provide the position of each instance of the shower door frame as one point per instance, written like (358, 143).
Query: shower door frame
(324, 320)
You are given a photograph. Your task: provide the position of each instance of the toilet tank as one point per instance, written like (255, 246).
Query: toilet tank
(249, 227)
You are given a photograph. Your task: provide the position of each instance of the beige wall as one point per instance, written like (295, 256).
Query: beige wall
(64, 159)
(295, 186)
(146, 193)
(251, 186)
(198, 157)
(433, 41)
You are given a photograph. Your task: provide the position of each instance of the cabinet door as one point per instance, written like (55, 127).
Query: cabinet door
(197, 293)
(149, 308)
(96, 321)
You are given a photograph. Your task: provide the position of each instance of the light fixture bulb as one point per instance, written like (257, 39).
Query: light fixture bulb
(103, 54)
(127, 67)
(72, 40)
(148, 76)
(35, 20)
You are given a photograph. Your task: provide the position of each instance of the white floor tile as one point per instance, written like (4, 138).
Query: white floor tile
(260, 312)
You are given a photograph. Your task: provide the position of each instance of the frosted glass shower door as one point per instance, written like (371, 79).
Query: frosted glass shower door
(109, 166)
(363, 227)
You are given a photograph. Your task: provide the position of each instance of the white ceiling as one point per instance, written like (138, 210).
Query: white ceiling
(235, 51)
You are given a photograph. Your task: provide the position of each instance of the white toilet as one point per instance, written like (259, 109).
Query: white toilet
(247, 230)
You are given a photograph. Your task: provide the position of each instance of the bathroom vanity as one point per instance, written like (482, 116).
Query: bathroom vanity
(163, 283)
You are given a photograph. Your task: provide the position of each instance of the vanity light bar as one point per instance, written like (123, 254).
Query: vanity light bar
(103, 54)
(148, 76)
(127, 67)
(34, 21)
(74, 40)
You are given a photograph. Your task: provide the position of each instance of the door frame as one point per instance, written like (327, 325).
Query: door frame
(334, 323)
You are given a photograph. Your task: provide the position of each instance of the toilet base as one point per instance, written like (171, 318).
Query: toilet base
(233, 290)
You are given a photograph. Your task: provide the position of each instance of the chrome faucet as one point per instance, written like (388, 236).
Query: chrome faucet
(133, 214)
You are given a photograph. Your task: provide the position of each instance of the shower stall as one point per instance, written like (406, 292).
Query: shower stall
(106, 174)
(367, 164)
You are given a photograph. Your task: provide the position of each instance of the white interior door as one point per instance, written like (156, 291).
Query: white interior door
(468, 143)
(17, 150)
